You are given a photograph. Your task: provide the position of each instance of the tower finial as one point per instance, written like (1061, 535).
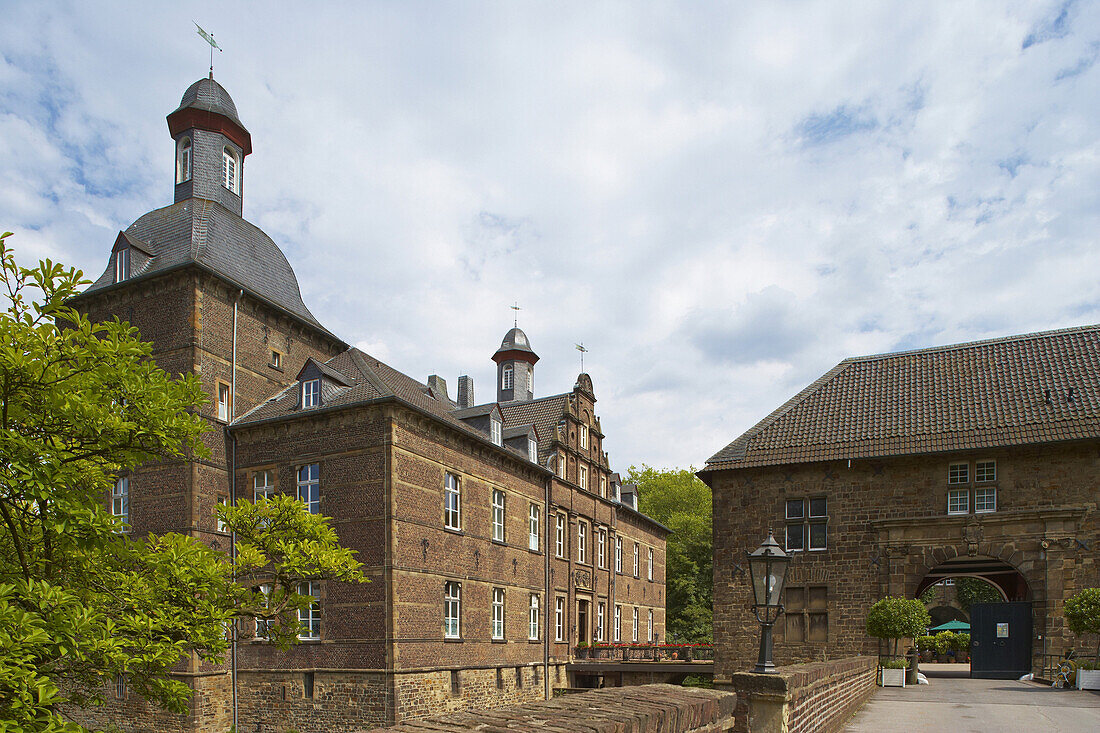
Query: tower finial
(517, 309)
(209, 38)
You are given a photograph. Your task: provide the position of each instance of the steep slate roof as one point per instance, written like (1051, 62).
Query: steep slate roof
(197, 231)
(370, 380)
(209, 95)
(966, 396)
(544, 413)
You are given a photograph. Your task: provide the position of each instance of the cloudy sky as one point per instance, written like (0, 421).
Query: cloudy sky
(720, 200)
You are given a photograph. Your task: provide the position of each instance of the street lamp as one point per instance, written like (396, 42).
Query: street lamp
(768, 570)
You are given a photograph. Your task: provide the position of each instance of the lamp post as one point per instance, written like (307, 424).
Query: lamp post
(768, 570)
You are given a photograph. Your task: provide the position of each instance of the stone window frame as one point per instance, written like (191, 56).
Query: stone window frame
(265, 490)
(582, 542)
(452, 609)
(982, 504)
(582, 436)
(804, 605)
(559, 534)
(225, 406)
(958, 502)
(559, 618)
(534, 515)
(601, 611)
(309, 618)
(276, 361)
(603, 486)
(807, 519)
(452, 502)
(634, 624)
(958, 473)
(496, 625)
(309, 488)
(985, 471)
(649, 564)
(619, 554)
(582, 477)
(637, 557)
(601, 549)
(499, 516)
(618, 622)
(649, 626)
(534, 608)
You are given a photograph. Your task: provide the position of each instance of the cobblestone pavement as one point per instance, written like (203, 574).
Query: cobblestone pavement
(956, 703)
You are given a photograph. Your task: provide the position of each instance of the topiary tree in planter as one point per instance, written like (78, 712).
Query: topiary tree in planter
(1082, 612)
(897, 618)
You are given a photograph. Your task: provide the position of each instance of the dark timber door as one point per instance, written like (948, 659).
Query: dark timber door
(582, 622)
(1000, 640)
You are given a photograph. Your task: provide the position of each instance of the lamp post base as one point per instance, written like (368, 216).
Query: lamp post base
(764, 663)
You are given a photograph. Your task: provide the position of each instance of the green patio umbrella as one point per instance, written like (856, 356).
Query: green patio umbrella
(952, 626)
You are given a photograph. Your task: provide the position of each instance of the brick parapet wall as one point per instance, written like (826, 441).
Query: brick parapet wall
(643, 709)
(819, 696)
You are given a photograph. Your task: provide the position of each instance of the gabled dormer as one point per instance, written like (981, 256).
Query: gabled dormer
(486, 418)
(318, 382)
(523, 439)
(129, 257)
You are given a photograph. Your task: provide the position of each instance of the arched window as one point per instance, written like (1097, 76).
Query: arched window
(183, 162)
(506, 377)
(229, 168)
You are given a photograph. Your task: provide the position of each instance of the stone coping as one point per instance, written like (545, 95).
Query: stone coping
(639, 709)
(788, 680)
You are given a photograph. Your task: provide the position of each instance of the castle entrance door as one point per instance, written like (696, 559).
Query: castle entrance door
(1000, 640)
(582, 621)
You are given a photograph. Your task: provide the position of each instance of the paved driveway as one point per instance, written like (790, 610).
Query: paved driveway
(960, 705)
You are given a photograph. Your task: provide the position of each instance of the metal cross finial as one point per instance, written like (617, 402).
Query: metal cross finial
(209, 38)
(583, 350)
(517, 309)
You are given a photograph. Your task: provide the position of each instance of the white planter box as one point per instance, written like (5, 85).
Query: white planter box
(1088, 679)
(893, 677)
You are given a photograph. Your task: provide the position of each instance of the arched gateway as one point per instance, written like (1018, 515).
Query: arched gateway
(892, 472)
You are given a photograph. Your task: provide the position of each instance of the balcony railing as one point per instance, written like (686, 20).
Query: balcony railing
(645, 652)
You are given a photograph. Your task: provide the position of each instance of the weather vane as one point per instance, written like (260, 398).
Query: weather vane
(517, 309)
(209, 38)
(583, 350)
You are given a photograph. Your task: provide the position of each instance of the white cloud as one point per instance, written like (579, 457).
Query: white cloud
(720, 200)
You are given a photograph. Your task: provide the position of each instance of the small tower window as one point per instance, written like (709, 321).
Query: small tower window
(229, 165)
(506, 377)
(122, 265)
(183, 168)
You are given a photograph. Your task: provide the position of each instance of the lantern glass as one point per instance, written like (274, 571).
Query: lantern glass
(768, 567)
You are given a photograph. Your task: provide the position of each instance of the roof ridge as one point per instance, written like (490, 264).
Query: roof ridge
(358, 358)
(1034, 336)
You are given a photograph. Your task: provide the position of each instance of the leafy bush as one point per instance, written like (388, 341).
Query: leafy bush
(895, 664)
(945, 642)
(897, 618)
(962, 642)
(1082, 613)
(927, 642)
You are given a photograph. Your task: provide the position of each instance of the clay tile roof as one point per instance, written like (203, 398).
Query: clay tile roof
(543, 413)
(1034, 388)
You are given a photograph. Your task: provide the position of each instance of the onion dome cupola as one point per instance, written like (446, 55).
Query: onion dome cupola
(211, 144)
(515, 368)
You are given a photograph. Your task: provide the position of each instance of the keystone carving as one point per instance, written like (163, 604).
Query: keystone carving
(973, 533)
(582, 579)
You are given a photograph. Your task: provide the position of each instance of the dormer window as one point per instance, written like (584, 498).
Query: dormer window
(532, 450)
(230, 170)
(507, 377)
(122, 265)
(311, 393)
(494, 431)
(183, 162)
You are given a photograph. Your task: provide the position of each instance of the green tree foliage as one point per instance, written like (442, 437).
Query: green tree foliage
(81, 601)
(897, 618)
(1082, 612)
(680, 501)
(975, 590)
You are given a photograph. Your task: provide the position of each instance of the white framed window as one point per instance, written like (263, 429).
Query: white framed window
(311, 393)
(649, 627)
(601, 549)
(183, 166)
(958, 473)
(582, 542)
(452, 502)
(582, 434)
(263, 626)
(618, 554)
(276, 359)
(263, 485)
(559, 535)
(498, 515)
(985, 499)
(603, 486)
(634, 624)
(958, 501)
(599, 620)
(559, 619)
(309, 618)
(309, 487)
(120, 500)
(122, 264)
(582, 477)
(533, 527)
(635, 559)
(618, 623)
(532, 450)
(494, 431)
(222, 526)
(984, 471)
(452, 609)
(224, 399)
(231, 174)
(498, 613)
(533, 617)
(507, 377)
(561, 466)
(649, 564)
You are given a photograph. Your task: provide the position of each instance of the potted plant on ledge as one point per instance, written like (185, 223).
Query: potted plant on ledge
(1082, 612)
(895, 619)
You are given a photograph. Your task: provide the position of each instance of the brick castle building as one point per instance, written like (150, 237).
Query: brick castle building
(495, 535)
(891, 473)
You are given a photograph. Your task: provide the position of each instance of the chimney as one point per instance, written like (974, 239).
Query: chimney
(438, 387)
(465, 391)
